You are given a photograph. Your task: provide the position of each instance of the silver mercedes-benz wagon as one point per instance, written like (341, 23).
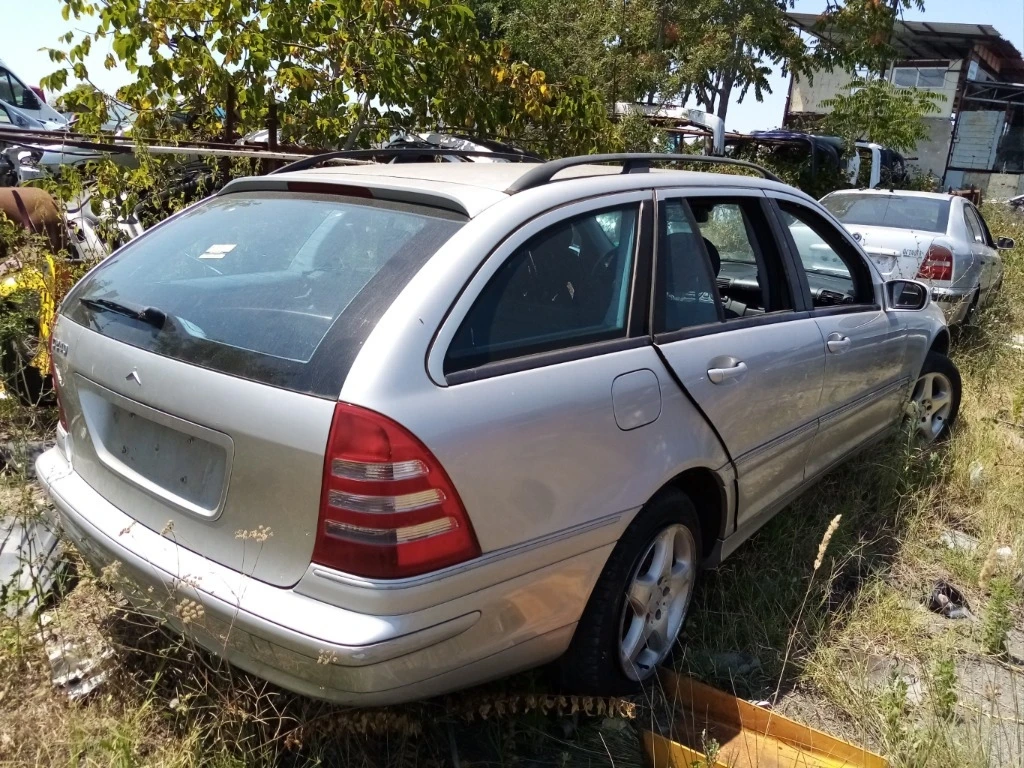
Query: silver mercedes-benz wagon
(403, 428)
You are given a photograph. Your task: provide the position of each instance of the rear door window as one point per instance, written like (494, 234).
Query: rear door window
(566, 286)
(975, 228)
(277, 287)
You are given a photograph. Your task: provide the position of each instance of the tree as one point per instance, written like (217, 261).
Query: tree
(876, 110)
(612, 44)
(857, 34)
(732, 46)
(335, 71)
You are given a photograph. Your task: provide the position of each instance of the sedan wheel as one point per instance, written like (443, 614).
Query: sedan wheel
(657, 598)
(935, 402)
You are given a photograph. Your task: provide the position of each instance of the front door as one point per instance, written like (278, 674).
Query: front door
(724, 322)
(864, 346)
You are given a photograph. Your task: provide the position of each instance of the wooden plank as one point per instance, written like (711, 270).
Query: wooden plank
(748, 735)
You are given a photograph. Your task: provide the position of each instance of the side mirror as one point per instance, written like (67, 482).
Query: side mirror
(908, 295)
(1005, 243)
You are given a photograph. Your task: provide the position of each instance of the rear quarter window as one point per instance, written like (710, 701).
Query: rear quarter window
(281, 288)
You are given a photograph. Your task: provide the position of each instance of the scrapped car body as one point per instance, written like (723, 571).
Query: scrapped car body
(27, 99)
(939, 239)
(400, 429)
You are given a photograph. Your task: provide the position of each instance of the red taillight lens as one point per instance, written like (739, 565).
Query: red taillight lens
(387, 507)
(56, 385)
(937, 264)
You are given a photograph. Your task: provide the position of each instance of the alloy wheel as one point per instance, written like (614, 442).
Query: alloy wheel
(657, 597)
(930, 405)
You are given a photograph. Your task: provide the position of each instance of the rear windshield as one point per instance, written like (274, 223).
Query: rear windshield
(898, 211)
(278, 287)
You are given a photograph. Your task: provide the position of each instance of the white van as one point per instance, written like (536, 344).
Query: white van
(16, 93)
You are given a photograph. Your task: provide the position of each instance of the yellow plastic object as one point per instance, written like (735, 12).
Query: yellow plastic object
(42, 282)
(747, 736)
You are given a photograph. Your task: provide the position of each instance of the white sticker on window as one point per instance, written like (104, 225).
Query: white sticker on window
(218, 251)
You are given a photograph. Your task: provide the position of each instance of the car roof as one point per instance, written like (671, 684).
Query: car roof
(895, 193)
(473, 187)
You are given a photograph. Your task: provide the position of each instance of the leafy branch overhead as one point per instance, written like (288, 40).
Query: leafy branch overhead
(876, 110)
(343, 72)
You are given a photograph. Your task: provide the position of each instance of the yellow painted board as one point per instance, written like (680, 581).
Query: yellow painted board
(747, 736)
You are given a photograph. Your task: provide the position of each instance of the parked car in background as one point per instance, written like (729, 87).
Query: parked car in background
(30, 101)
(403, 428)
(939, 239)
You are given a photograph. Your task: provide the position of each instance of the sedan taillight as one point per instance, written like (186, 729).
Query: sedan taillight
(387, 508)
(937, 264)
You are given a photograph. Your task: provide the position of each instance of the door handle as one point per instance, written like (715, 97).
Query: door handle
(718, 375)
(838, 343)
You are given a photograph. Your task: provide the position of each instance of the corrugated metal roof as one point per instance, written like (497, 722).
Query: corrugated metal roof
(934, 40)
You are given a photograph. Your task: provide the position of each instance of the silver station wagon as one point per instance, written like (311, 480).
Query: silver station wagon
(400, 429)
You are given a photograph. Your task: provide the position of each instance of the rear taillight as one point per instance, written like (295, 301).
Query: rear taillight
(937, 264)
(56, 386)
(387, 508)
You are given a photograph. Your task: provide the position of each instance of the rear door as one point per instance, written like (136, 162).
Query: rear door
(725, 323)
(864, 346)
(982, 248)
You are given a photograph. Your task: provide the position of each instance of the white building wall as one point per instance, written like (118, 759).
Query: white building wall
(808, 95)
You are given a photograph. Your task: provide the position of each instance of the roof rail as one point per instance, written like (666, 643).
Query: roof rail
(631, 163)
(388, 153)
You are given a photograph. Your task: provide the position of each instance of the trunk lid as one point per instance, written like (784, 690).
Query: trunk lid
(228, 468)
(897, 253)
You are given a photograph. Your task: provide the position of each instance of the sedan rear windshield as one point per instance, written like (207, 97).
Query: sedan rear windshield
(897, 211)
(277, 287)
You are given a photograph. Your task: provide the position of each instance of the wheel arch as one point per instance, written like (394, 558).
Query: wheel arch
(706, 489)
(941, 342)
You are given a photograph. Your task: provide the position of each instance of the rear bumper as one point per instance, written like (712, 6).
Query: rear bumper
(315, 648)
(954, 303)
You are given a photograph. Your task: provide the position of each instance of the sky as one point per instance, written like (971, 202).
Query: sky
(37, 24)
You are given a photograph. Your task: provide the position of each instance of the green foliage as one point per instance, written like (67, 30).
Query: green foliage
(341, 72)
(714, 51)
(876, 110)
(942, 688)
(612, 45)
(792, 164)
(998, 618)
(729, 47)
(635, 133)
(858, 33)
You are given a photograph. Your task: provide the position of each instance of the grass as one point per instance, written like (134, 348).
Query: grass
(848, 647)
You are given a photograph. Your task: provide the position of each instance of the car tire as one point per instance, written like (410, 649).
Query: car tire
(595, 662)
(935, 399)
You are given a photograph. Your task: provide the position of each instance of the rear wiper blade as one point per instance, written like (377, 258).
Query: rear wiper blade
(150, 315)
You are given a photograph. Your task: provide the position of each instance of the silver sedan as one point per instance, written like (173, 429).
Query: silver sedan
(942, 240)
(379, 432)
